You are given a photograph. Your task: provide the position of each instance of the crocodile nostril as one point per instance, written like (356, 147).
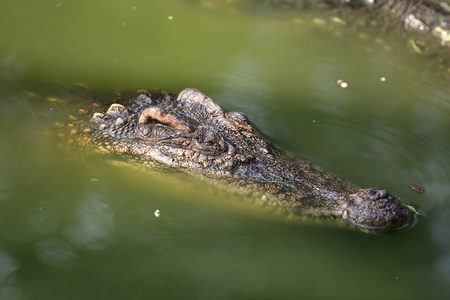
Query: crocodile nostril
(378, 193)
(373, 192)
(382, 194)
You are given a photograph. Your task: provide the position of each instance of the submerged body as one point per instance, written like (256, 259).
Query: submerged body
(192, 133)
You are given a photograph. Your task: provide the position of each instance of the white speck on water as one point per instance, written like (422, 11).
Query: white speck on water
(134, 8)
(342, 83)
(314, 121)
(383, 78)
(170, 18)
(157, 213)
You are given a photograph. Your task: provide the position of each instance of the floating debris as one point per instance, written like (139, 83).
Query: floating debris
(383, 79)
(156, 213)
(338, 21)
(342, 83)
(170, 18)
(318, 21)
(417, 188)
(52, 99)
(414, 210)
(31, 94)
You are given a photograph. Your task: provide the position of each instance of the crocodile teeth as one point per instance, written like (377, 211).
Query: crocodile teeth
(345, 215)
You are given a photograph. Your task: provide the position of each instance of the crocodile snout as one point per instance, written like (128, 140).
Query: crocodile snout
(378, 193)
(376, 208)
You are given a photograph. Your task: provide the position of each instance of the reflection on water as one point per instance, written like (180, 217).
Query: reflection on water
(241, 84)
(442, 270)
(8, 265)
(93, 225)
(88, 227)
(56, 253)
(439, 230)
(45, 220)
(12, 66)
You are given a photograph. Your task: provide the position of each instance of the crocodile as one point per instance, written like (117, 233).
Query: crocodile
(192, 133)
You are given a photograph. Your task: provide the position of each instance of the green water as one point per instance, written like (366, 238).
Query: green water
(79, 227)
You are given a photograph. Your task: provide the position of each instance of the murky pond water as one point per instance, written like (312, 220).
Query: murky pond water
(75, 226)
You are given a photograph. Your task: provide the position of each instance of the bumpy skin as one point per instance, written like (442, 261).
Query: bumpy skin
(193, 133)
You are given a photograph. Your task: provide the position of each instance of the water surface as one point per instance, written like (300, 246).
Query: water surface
(75, 226)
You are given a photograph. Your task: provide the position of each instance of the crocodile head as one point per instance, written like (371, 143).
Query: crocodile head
(190, 131)
(374, 209)
(193, 133)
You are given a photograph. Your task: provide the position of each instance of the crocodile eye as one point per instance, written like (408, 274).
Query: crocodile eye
(206, 139)
(155, 131)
